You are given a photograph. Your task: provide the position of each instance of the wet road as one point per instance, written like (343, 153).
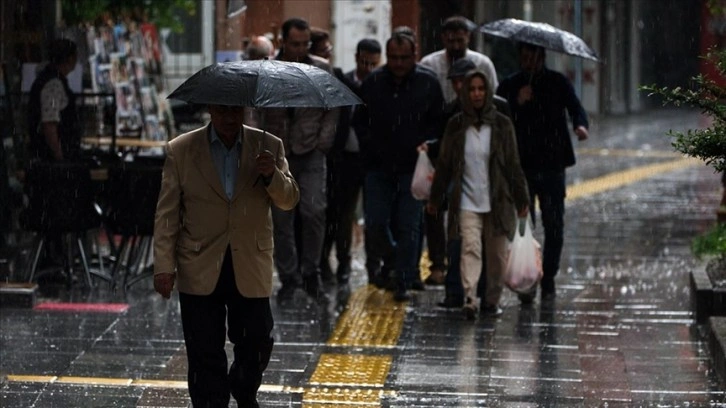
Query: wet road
(620, 332)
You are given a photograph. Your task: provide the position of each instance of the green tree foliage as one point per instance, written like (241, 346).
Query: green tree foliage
(707, 144)
(160, 12)
(713, 242)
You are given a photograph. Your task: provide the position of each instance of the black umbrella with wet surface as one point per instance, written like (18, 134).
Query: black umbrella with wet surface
(265, 84)
(541, 34)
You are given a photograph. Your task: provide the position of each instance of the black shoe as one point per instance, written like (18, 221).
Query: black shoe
(527, 298)
(417, 285)
(401, 295)
(469, 312)
(380, 282)
(547, 290)
(313, 289)
(286, 292)
(451, 302)
(391, 285)
(252, 404)
(492, 310)
(548, 295)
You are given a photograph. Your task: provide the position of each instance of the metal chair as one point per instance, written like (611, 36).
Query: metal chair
(133, 190)
(61, 205)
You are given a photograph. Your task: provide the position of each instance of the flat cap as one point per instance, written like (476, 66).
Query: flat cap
(460, 67)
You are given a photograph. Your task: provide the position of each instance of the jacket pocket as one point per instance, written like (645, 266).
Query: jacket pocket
(265, 242)
(189, 244)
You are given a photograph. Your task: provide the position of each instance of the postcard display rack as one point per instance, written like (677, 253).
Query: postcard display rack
(125, 62)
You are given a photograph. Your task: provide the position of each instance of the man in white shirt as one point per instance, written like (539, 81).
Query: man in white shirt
(455, 34)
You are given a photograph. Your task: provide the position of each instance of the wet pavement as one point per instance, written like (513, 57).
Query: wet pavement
(619, 333)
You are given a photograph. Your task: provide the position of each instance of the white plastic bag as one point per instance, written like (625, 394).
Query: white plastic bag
(423, 176)
(524, 266)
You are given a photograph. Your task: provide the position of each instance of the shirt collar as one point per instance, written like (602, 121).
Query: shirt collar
(214, 138)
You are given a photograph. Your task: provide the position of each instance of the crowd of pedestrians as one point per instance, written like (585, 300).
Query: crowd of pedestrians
(495, 148)
(516, 146)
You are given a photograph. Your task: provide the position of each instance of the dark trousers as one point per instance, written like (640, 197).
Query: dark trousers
(436, 239)
(294, 262)
(549, 188)
(387, 197)
(345, 178)
(248, 323)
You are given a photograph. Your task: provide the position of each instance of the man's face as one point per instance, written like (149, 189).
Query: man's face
(530, 60)
(365, 62)
(455, 43)
(400, 58)
(67, 66)
(295, 46)
(227, 120)
(323, 49)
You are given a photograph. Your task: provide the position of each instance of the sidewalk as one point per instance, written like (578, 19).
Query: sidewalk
(620, 332)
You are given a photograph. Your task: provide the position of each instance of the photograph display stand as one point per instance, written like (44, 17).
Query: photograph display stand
(125, 65)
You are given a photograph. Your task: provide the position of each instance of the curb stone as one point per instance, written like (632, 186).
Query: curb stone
(701, 294)
(717, 345)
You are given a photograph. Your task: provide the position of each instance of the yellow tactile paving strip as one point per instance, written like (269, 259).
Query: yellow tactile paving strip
(351, 370)
(372, 319)
(594, 151)
(621, 178)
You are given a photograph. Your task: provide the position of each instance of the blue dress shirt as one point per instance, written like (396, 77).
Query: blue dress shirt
(227, 161)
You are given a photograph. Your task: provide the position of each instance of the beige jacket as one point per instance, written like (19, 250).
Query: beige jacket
(195, 221)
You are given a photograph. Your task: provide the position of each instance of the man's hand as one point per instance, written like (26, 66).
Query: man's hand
(164, 283)
(525, 94)
(265, 164)
(582, 133)
(523, 212)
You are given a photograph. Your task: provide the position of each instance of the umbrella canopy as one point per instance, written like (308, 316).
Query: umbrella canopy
(541, 34)
(265, 84)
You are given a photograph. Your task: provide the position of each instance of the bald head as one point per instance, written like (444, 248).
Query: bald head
(260, 47)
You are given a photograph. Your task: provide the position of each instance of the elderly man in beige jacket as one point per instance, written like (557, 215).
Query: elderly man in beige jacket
(213, 237)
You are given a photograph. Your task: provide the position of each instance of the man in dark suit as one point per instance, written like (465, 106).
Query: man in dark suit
(345, 168)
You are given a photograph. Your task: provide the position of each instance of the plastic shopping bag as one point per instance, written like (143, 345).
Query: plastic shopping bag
(524, 266)
(423, 176)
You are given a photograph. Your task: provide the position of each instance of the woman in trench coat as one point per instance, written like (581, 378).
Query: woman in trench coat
(478, 171)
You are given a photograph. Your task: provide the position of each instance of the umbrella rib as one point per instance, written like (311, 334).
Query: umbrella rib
(320, 92)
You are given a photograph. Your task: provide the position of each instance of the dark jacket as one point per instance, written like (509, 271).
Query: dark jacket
(397, 118)
(507, 184)
(541, 124)
(69, 128)
(342, 132)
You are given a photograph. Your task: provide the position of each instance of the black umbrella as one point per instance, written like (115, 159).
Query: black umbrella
(265, 84)
(541, 34)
